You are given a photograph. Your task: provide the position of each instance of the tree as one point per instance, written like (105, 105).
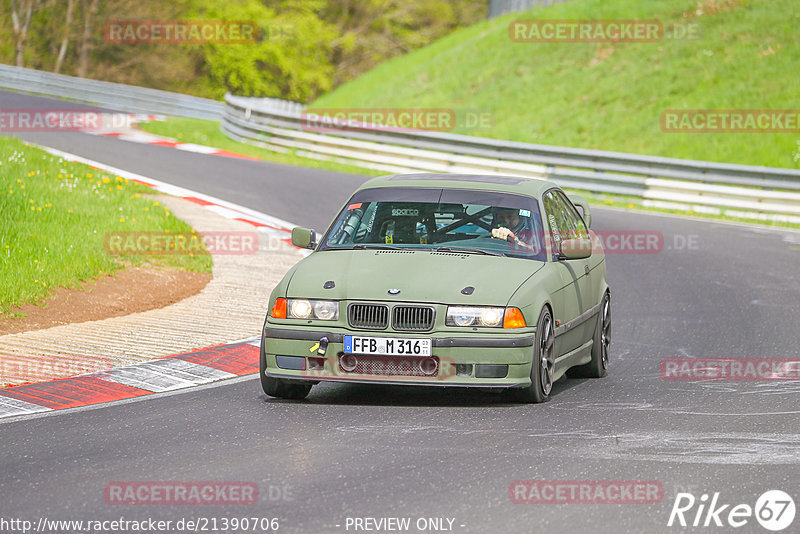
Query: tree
(87, 42)
(62, 50)
(306, 47)
(291, 58)
(21, 13)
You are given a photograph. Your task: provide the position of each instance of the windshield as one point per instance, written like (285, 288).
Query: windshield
(477, 222)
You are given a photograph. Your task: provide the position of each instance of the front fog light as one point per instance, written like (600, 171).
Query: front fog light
(348, 362)
(326, 309)
(300, 309)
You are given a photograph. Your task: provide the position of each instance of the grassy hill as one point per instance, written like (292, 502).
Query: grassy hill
(609, 96)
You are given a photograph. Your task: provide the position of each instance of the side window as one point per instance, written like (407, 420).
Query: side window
(551, 211)
(563, 218)
(572, 217)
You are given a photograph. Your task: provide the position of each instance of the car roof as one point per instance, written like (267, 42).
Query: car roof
(483, 182)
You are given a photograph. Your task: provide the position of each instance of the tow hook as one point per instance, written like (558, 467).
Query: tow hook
(323, 346)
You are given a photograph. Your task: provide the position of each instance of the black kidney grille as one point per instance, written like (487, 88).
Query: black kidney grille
(412, 318)
(372, 316)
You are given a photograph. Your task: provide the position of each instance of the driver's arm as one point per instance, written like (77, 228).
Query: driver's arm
(505, 234)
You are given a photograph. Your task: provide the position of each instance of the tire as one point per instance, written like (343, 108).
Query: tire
(542, 365)
(601, 343)
(276, 387)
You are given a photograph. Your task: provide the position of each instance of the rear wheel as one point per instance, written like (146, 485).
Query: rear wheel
(543, 363)
(601, 343)
(276, 387)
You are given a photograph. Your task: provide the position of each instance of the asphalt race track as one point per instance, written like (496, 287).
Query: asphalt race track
(714, 290)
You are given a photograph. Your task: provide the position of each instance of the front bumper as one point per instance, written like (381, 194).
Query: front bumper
(292, 352)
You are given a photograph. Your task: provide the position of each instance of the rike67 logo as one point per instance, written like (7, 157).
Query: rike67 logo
(774, 510)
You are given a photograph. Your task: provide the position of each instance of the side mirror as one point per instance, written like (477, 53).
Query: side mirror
(583, 206)
(304, 238)
(575, 249)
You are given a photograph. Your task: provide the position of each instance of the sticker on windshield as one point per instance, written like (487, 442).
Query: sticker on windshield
(408, 212)
(354, 206)
(524, 213)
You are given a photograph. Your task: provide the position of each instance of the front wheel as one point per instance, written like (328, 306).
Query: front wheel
(543, 363)
(276, 387)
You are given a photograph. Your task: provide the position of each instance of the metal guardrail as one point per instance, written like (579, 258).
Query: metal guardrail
(114, 96)
(279, 125)
(701, 185)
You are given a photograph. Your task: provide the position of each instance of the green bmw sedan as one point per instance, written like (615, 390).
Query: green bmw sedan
(443, 280)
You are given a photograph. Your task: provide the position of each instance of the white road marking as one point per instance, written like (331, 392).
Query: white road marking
(200, 149)
(192, 372)
(148, 379)
(163, 375)
(10, 407)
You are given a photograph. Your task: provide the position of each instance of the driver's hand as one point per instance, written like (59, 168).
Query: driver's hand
(503, 233)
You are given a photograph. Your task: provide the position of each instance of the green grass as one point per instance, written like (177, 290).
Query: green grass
(608, 96)
(54, 216)
(207, 132)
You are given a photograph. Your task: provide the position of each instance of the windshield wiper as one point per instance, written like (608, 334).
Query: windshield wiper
(460, 250)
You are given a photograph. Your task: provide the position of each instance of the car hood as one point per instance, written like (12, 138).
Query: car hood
(421, 276)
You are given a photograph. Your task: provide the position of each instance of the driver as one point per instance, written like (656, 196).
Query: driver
(507, 225)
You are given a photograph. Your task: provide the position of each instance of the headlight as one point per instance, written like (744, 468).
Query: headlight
(299, 308)
(325, 310)
(492, 317)
(474, 316)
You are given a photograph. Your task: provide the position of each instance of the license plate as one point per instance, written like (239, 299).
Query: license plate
(389, 346)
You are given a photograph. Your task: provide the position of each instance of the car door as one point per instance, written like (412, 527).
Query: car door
(564, 222)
